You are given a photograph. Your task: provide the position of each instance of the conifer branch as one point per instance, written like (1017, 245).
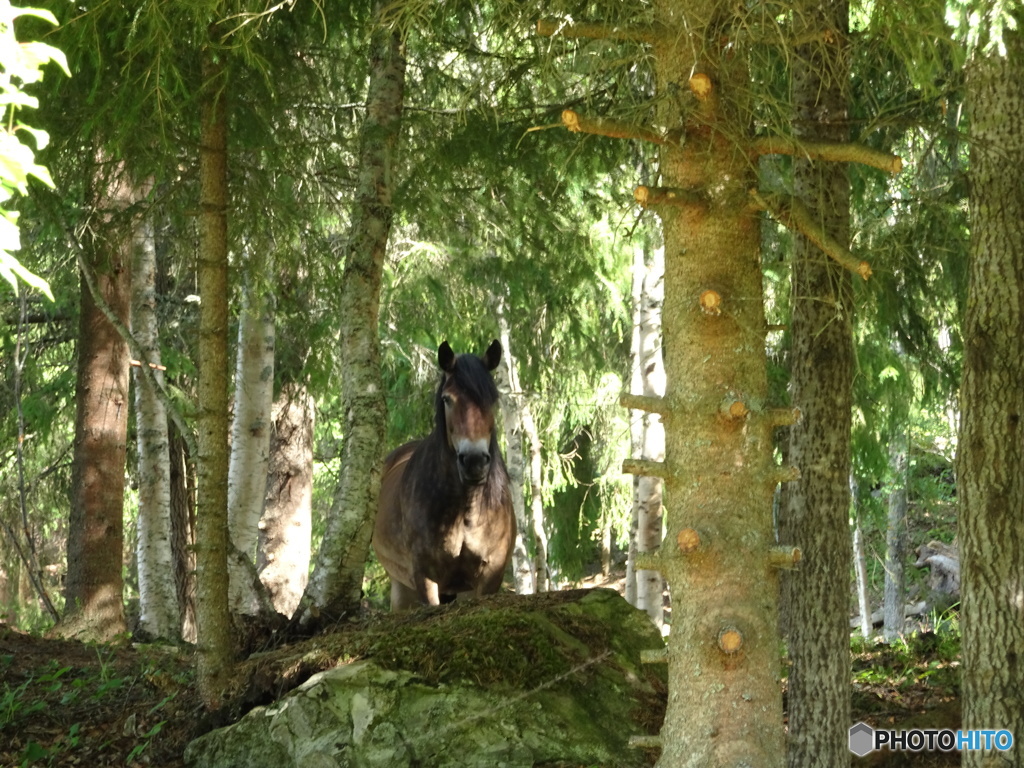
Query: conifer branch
(600, 126)
(562, 28)
(794, 215)
(839, 152)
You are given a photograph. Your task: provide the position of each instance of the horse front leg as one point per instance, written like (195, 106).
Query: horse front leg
(428, 591)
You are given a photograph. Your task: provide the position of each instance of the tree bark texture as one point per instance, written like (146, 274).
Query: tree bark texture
(158, 601)
(990, 465)
(895, 596)
(94, 608)
(815, 518)
(286, 527)
(250, 440)
(212, 541)
(650, 583)
(336, 583)
(725, 702)
(511, 403)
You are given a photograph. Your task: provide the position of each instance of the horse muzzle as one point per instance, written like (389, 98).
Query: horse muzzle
(474, 466)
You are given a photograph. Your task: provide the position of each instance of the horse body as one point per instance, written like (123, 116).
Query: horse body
(444, 520)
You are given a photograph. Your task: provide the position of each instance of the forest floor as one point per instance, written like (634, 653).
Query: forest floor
(63, 703)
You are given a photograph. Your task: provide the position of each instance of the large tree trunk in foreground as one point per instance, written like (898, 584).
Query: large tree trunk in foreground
(158, 601)
(286, 526)
(990, 465)
(212, 542)
(725, 703)
(336, 583)
(815, 517)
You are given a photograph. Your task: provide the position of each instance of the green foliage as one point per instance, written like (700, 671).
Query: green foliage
(21, 64)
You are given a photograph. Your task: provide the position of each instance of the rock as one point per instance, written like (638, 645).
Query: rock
(512, 681)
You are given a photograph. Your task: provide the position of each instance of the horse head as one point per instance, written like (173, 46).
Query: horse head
(465, 404)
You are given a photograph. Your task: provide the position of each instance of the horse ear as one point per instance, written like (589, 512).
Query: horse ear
(445, 357)
(493, 355)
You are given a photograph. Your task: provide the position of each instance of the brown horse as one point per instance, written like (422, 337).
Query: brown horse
(444, 520)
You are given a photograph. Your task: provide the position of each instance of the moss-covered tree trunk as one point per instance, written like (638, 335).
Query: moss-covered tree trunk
(335, 585)
(815, 517)
(213, 620)
(990, 465)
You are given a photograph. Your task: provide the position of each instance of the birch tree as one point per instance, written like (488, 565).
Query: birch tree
(285, 530)
(250, 436)
(336, 583)
(158, 600)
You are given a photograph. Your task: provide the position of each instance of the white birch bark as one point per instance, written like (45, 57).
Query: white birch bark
(895, 543)
(542, 577)
(286, 526)
(158, 603)
(250, 443)
(650, 584)
(636, 424)
(507, 379)
(861, 569)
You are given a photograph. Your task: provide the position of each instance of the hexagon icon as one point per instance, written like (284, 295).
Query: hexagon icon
(862, 739)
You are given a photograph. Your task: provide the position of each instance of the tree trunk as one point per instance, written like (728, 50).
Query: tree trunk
(725, 702)
(815, 597)
(212, 541)
(94, 608)
(336, 583)
(650, 584)
(250, 440)
(286, 526)
(861, 565)
(183, 527)
(990, 465)
(896, 541)
(542, 577)
(158, 604)
(511, 402)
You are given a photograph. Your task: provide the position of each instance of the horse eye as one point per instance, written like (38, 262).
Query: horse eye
(446, 399)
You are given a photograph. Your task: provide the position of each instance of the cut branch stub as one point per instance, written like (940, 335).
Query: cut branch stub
(647, 403)
(784, 417)
(786, 474)
(645, 741)
(711, 302)
(794, 215)
(689, 541)
(839, 152)
(734, 408)
(784, 557)
(700, 86)
(654, 656)
(645, 467)
(730, 640)
(648, 197)
(614, 129)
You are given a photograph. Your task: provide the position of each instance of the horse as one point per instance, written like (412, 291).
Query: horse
(444, 517)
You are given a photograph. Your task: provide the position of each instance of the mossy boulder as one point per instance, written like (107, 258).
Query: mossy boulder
(546, 680)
